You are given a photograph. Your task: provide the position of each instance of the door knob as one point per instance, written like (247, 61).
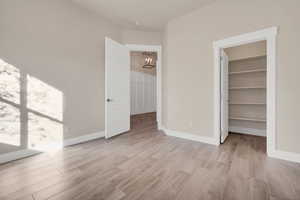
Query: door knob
(109, 100)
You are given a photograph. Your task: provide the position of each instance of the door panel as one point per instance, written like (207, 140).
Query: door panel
(117, 91)
(224, 96)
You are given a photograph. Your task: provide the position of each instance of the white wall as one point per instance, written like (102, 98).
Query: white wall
(188, 75)
(141, 37)
(61, 44)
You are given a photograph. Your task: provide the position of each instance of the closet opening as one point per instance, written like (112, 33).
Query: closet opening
(244, 93)
(221, 119)
(143, 89)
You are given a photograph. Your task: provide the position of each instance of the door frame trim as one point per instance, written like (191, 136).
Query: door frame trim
(158, 50)
(222, 101)
(268, 35)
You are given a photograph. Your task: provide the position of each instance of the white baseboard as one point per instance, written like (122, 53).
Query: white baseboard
(159, 126)
(249, 131)
(284, 155)
(17, 155)
(68, 142)
(84, 138)
(189, 136)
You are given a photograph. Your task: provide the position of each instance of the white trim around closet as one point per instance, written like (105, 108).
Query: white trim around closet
(269, 35)
(158, 50)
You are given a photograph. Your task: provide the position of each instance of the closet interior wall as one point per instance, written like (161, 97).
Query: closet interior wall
(247, 94)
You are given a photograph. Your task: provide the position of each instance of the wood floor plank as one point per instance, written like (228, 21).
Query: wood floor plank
(146, 164)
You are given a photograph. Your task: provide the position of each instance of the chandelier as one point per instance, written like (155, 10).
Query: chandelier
(150, 60)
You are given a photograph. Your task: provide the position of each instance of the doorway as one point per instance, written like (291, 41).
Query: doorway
(142, 88)
(118, 85)
(243, 91)
(269, 36)
(154, 52)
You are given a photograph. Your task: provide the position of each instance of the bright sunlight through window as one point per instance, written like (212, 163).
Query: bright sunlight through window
(9, 100)
(45, 128)
(40, 106)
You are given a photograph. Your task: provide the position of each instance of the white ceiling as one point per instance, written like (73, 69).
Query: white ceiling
(148, 14)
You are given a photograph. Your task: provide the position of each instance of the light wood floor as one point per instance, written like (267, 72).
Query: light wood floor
(145, 164)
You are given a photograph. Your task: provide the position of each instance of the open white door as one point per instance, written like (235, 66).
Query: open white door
(224, 96)
(117, 92)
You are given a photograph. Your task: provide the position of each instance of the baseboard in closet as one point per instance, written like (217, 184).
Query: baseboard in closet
(248, 131)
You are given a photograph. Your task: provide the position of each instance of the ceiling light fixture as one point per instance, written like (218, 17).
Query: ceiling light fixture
(150, 60)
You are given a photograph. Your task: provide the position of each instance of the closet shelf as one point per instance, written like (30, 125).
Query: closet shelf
(245, 88)
(248, 71)
(248, 119)
(232, 103)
